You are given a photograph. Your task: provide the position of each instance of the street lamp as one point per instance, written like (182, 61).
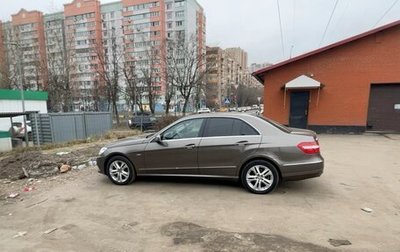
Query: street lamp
(21, 79)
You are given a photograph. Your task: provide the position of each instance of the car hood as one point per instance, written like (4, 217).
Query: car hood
(128, 142)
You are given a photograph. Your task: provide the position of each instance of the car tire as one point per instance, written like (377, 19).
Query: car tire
(259, 177)
(120, 170)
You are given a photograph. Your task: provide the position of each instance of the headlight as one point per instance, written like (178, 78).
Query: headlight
(102, 150)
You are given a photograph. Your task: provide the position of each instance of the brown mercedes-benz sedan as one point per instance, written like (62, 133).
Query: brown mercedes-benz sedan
(255, 150)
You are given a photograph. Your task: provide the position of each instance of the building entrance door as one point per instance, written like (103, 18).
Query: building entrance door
(299, 109)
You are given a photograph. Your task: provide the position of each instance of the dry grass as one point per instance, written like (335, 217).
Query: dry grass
(110, 135)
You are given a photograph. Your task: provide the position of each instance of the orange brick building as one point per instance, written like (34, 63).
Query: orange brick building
(28, 34)
(350, 86)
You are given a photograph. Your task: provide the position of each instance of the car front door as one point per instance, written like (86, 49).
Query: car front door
(176, 154)
(225, 143)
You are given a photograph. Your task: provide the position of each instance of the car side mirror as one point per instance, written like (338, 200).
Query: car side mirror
(158, 139)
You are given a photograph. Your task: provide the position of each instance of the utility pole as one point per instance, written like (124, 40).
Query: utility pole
(21, 80)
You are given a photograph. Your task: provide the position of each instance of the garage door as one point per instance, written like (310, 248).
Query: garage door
(384, 108)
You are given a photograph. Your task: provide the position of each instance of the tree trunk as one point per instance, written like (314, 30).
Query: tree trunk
(167, 103)
(116, 111)
(185, 105)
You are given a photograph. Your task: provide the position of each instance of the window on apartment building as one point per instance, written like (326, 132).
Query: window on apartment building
(112, 14)
(179, 14)
(155, 33)
(154, 14)
(179, 23)
(169, 15)
(169, 25)
(180, 34)
(179, 3)
(168, 6)
(157, 23)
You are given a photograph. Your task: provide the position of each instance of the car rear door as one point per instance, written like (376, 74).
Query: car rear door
(225, 143)
(177, 154)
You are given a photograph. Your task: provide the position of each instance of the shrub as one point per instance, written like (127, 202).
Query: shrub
(164, 121)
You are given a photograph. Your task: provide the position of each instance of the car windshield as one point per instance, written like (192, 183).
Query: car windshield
(276, 124)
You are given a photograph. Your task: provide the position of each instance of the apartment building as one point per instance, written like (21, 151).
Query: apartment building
(55, 44)
(239, 55)
(113, 46)
(83, 34)
(225, 75)
(23, 50)
(254, 67)
(74, 42)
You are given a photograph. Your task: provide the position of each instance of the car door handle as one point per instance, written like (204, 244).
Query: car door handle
(242, 143)
(190, 146)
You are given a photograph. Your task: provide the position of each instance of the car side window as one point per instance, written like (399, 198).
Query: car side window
(241, 128)
(219, 127)
(182, 130)
(228, 127)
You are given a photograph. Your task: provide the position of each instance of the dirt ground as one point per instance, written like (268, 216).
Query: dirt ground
(83, 211)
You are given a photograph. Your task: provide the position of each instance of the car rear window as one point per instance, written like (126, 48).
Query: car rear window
(276, 124)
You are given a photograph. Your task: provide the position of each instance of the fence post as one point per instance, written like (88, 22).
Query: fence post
(37, 129)
(84, 125)
(51, 128)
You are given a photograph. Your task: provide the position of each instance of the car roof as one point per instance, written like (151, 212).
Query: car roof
(221, 114)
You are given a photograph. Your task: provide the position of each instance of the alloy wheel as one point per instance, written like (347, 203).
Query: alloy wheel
(259, 178)
(119, 171)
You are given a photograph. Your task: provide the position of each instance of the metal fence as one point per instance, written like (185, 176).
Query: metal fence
(64, 127)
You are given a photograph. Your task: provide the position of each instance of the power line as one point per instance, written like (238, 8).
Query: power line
(330, 19)
(386, 12)
(280, 25)
(293, 28)
(339, 20)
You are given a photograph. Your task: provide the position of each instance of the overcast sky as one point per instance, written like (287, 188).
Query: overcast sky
(254, 24)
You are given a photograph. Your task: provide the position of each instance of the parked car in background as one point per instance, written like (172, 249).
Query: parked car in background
(143, 121)
(255, 150)
(233, 109)
(19, 130)
(203, 111)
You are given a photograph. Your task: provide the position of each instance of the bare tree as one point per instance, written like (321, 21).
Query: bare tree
(131, 90)
(111, 70)
(60, 65)
(186, 68)
(5, 74)
(148, 74)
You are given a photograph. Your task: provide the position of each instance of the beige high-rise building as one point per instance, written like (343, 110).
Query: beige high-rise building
(225, 75)
(239, 55)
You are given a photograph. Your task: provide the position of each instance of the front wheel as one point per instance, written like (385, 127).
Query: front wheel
(260, 177)
(120, 170)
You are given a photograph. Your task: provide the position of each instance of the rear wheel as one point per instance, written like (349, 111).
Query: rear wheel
(120, 170)
(260, 177)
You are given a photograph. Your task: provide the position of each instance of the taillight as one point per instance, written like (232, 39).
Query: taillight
(309, 147)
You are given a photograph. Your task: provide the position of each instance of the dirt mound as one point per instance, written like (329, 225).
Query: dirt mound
(39, 164)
